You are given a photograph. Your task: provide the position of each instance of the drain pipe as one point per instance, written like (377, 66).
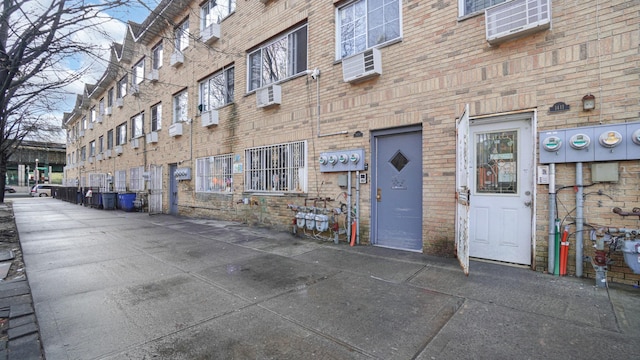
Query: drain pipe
(348, 225)
(579, 219)
(552, 219)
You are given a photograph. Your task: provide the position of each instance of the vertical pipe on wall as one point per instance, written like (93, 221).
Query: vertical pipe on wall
(349, 207)
(579, 219)
(358, 207)
(552, 219)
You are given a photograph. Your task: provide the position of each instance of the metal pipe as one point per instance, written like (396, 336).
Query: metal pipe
(579, 219)
(358, 207)
(348, 225)
(552, 219)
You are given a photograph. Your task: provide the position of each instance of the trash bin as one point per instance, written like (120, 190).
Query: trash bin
(125, 201)
(109, 200)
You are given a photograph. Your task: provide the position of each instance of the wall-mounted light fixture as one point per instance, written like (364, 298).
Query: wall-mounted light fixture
(588, 102)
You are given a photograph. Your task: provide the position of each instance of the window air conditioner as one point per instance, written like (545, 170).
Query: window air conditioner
(107, 153)
(268, 96)
(362, 66)
(99, 119)
(99, 157)
(175, 130)
(516, 18)
(210, 34)
(177, 58)
(152, 137)
(107, 110)
(153, 75)
(118, 149)
(135, 143)
(119, 102)
(90, 126)
(90, 159)
(210, 118)
(81, 133)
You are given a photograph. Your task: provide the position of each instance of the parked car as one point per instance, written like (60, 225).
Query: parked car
(9, 189)
(42, 190)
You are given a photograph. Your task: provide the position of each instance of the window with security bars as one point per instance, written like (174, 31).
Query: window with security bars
(99, 180)
(277, 168)
(136, 181)
(120, 181)
(214, 174)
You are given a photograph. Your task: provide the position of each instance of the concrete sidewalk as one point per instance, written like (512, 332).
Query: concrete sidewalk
(116, 285)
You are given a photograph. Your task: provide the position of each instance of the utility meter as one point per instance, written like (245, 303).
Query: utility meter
(356, 157)
(333, 159)
(322, 160)
(610, 139)
(552, 143)
(636, 137)
(343, 158)
(580, 141)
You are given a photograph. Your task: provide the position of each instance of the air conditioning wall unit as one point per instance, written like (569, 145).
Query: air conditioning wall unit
(99, 119)
(119, 102)
(210, 34)
(516, 18)
(108, 110)
(153, 75)
(269, 96)
(152, 137)
(175, 130)
(90, 126)
(135, 143)
(177, 59)
(118, 149)
(90, 159)
(99, 157)
(362, 66)
(107, 153)
(81, 133)
(210, 117)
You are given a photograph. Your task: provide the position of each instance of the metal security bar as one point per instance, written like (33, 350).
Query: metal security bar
(277, 168)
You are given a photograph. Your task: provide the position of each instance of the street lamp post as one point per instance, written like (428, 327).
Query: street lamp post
(36, 172)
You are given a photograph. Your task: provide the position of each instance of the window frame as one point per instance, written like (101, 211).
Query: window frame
(226, 90)
(156, 57)
(214, 174)
(92, 148)
(137, 125)
(206, 10)
(136, 180)
(137, 73)
(261, 171)
(110, 139)
(181, 36)
(339, 54)
(156, 117)
(180, 113)
(100, 144)
(120, 181)
(121, 134)
(462, 7)
(121, 90)
(110, 97)
(295, 62)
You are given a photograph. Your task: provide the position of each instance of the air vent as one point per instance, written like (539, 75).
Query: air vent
(210, 34)
(362, 66)
(516, 18)
(177, 58)
(269, 96)
(210, 118)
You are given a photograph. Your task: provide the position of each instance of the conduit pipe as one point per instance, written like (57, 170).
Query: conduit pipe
(358, 207)
(579, 219)
(552, 219)
(349, 207)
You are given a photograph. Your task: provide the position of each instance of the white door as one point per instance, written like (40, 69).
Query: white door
(462, 190)
(155, 189)
(501, 156)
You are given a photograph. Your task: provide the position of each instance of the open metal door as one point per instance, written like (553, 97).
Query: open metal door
(463, 192)
(155, 189)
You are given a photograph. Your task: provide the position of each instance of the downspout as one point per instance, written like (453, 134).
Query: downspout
(552, 219)
(579, 219)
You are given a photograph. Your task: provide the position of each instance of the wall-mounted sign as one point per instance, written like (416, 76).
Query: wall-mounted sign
(559, 107)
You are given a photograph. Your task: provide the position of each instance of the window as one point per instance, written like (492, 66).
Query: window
(212, 12)
(83, 153)
(121, 134)
(110, 98)
(136, 182)
(156, 62)
(366, 23)
(156, 117)
(100, 144)
(277, 168)
(467, 7)
(93, 114)
(84, 123)
(101, 107)
(122, 87)
(217, 90)
(92, 148)
(120, 181)
(278, 60)
(181, 35)
(214, 174)
(110, 139)
(137, 73)
(180, 102)
(137, 126)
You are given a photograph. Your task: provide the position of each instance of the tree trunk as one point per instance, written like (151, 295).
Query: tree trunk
(3, 176)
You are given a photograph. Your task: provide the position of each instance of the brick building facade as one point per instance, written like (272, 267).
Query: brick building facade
(271, 81)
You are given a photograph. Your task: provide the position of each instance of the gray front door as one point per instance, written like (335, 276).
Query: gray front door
(173, 190)
(396, 191)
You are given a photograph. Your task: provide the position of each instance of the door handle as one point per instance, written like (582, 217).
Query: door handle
(379, 195)
(527, 203)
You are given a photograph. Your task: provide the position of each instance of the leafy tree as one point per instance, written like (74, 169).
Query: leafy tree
(39, 42)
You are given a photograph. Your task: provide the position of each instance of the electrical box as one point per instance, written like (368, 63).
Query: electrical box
(543, 174)
(552, 147)
(580, 146)
(604, 172)
(342, 180)
(342, 160)
(610, 143)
